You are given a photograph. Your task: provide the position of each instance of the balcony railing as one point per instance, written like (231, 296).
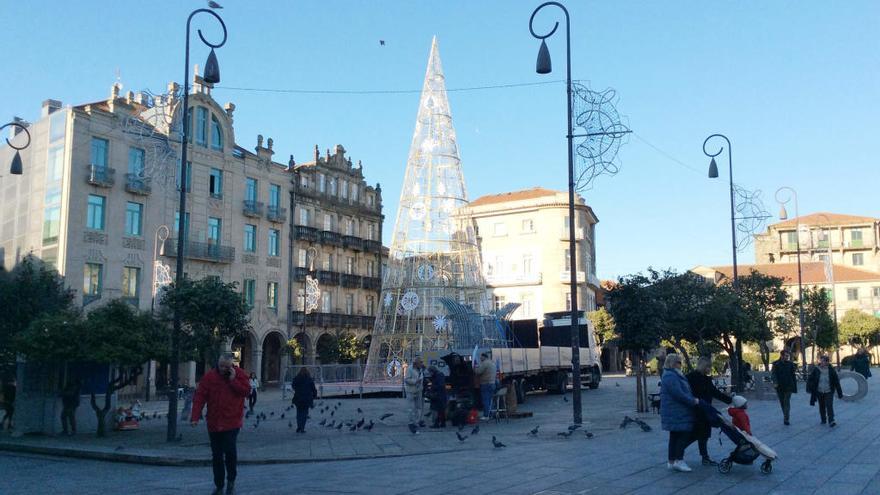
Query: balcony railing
(276, 214)
(331, 319)
(252, 208)
(330, 238)
(206, 251)
(101, 176)
(136, 184)
(351, 281)
(306, 233)
(352, 242)
(328, 277)
(299, 273)
(371, 283)
(372, 246)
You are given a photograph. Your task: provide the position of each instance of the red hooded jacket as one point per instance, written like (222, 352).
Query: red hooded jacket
(740, 419)
(224, 398)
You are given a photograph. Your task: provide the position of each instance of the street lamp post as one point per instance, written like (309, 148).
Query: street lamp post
(713, 174)
(15, 168)
(211, 76)
(544, 66)
(829, 277)
(783, 215)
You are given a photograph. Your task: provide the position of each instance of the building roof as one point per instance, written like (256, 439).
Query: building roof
(535, 192)
(823, 218)
(812, 272)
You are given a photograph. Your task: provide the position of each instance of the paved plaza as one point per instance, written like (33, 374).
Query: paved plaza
(388, 460)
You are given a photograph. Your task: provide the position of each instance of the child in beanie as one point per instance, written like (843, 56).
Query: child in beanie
(739, 414)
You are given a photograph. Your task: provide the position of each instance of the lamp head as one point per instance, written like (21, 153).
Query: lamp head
(713, 169)
(544, 65)
(212, 69)
(783, 215)
(16, 168)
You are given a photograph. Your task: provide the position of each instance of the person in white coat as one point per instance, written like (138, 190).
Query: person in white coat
(413, 385)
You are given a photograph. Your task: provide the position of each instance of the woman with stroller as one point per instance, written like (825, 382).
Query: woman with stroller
(703, 388)
(677, 414)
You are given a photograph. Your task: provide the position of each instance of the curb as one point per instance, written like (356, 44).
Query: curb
(155, 460)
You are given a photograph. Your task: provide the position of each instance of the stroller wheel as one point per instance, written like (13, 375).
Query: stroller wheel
(724, 465)
(767, 467)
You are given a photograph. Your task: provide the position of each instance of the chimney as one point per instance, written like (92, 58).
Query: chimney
(15, 130)
(49, 107)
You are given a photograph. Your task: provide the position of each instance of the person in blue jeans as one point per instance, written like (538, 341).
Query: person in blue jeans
(486, 375)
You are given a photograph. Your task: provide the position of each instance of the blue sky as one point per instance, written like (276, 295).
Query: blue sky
(794, 84)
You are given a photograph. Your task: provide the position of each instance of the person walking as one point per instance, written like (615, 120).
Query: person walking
(222, 390)
(703, 388)
(304, 393)
(413, 384)
(252, 397)
(69, 403)
(861, 363)
(784, 379)
(8, 404)
(822, 384)
(486, 375)
(677, 414)
(438, 397)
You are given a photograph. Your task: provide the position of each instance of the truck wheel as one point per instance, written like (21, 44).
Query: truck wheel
(556, 382)
(595, 378)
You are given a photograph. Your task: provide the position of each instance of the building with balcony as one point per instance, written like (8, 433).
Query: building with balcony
(524, 244)
(848, 240)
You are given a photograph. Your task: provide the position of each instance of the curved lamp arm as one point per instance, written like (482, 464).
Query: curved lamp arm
(22, 127)
(201, 36)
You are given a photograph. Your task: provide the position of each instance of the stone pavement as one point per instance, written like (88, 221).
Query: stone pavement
(813, 458)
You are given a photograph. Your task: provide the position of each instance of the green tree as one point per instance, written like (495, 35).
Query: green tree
(858, 327)
(294, 347)
(327, 349)
(818, 322)
(350, 349)
(763, 299)
(603, 323)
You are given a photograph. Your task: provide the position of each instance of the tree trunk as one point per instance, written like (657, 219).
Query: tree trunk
(765, 355)
(101, 413)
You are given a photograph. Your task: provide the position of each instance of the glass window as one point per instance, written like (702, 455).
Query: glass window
(371, 268)
(136, 162)
(371, 305)
(856, 235)
(95, 216)
(344, 189)
(349, 304)
(216, 134)
(249, 290)
(328, 222)
(250, 238)
(274, 241)
(215, 183)
(55, 163)
(500, 301)
(250, 189)
(328, 261)
(51, 224)
(527, 264)
(189, 176)
(274, 195)
(528, 226)
(214, 225)
(303, 216)
(99, 152)
(568, 301)
(875, 292)
(349, 265)
(92, 277)
(326, 302)
(369, 231)
(526, 305)
(332, 181)
(349, 227)
(131, 278)
(852, 294)
(133, 218)
(302, 258)
(202, 126)
(272, 295)
(185, 223)
(858, 259)
(355, 192)
(321, 183)
(567, 259)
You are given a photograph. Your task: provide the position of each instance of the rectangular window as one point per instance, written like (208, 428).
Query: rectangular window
(344, 190)
(332, 181)
(858, 259)
(824, 239)
(355, 192)
(302, 258)
(567, 260)
(274, 195)
(55, 163)
(371, 305)
(92, 279)
(328, 262)
(823, 258)
(328, 222)
(528, 226)
(349, 265)
(250, 238)
(875, 292)
(371, 200)
(274, 242)
(202, 126)
(856, 237)
(500, 301)
(500, 229)
(214, 225)
(371, 268)
(134, 214)
(568, 301)
(527, 264)
(185, 223)
(349, 227)
(131, 279)
(249, 291)
(250, 189)
(326, 302)
(791, 240)
(322, 187)
(304, 217)
(51, 224)
(95, 216)
(215, 183)
(189, 176)
(216, 134)
(272, 295)
(526, 306)
(136, 162)
(852, 294)
(370, 231)
(100, 148)
(349, 304)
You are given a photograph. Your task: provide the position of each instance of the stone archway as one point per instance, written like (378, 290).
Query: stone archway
(273, 345)
(243, 348)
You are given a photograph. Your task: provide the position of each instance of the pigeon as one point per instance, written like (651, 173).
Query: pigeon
(460, 437)
(534, 431)
(359, 411)
(339, 426)
(476, 430)
(413, 429)
(361, 423)
(256, 425)
(616, 384)
(332, 424)
(573, 427)
(353, 428)
(497, 444)
(339, 404)
(271, 413)
(289, 424)
(282, 415)
(332, 412)
(588, 434)
(564, 398)
(565, 434)
(385, 416)
(369, 426)
(626, 421)
(214, 5)
(381, 42)
(323, 422)
(644, 426)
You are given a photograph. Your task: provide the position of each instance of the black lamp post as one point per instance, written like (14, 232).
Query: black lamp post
(211, 76)
(15, 168)
(783, 215)
(544, 66)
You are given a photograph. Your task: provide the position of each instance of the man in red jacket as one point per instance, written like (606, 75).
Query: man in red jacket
(223, 390)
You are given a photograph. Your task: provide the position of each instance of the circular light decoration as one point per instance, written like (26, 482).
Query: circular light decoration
(439, 323)
(393, 368)
(417, 211)
(426, 272)
(409, 301)
(388, 299)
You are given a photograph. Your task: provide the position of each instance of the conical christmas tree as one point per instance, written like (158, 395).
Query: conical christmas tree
(434, 261)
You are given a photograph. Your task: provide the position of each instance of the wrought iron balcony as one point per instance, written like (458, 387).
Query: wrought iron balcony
(330, 238)
(206, 251)
(299, 273)
(351, 281)
(276, 214)
(136, 184)
(371, 283)
(372, 246)
(352, 242)
(296, 318)
(252, 208)
(306, 233)
(101, 176)
(329, 319)
(328, 277)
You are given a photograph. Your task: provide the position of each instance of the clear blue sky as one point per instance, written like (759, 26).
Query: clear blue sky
(794, 84)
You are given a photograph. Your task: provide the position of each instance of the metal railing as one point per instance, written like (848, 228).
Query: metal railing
(306, 233)
(101, 176)
(136, 184)
(200, 250)
(332, 374)
(275, 213)
(252, 208)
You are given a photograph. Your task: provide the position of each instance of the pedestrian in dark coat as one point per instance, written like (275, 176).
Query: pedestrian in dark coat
(703, 388)
(69, 403)
(785, 381)
(8, 404)
(677, 414)
(437, 395)
(822, 384)
(304, 393)
(861, 363)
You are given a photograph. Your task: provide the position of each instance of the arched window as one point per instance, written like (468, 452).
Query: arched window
(216, 134)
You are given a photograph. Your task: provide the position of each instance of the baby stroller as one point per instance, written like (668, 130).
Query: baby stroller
(748, 448)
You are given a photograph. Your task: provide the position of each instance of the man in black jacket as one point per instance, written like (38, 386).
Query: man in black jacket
(822, 384)
(704, 389)
(785, 382)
